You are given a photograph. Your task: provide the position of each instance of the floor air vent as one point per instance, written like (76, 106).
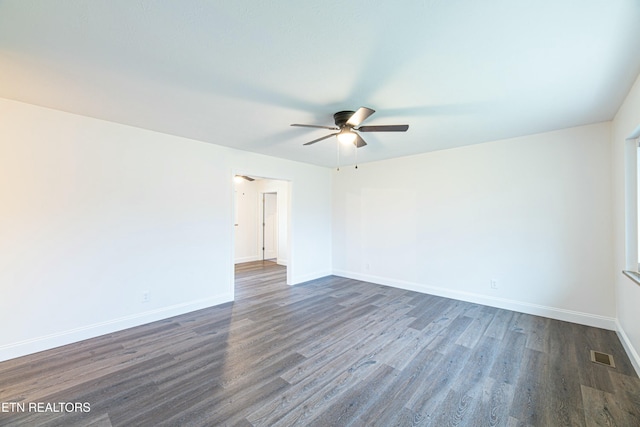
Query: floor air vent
(602, 358)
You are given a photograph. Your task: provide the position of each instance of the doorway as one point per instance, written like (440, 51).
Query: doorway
(261, 220)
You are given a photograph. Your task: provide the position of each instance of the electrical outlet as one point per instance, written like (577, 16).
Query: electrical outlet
(494, 284)
(145, 296)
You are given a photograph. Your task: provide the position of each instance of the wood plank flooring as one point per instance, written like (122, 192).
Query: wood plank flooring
(331, 352)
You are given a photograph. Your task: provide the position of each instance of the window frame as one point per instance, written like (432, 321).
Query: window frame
(632, 206)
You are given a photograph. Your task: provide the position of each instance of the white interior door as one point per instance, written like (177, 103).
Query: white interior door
(246, 245)
(270, 225)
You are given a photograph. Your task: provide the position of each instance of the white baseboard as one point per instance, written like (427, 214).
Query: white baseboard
(628, 347)
(247, 259)
(279, 261)
(587, 319)
(47, 342)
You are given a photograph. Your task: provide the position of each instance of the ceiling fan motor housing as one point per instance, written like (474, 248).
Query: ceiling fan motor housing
(341, 118)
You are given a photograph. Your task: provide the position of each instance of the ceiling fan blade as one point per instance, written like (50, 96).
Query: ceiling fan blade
(360, 116)
(320, 139)
(315, 126)
(383, 128)
(359, 142)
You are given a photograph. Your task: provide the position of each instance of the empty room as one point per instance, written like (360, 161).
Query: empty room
(418, 213)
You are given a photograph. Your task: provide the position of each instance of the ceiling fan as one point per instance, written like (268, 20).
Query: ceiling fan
(347, 122)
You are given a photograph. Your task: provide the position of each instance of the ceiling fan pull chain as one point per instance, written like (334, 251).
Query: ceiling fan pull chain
(338, 155)
(356, 148)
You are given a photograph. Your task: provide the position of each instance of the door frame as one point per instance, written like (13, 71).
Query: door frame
(290, 229)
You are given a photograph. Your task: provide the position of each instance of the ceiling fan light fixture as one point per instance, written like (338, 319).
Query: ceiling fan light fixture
(346, 136)
(347, 121)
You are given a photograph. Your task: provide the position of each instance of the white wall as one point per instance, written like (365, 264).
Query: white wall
(625, 222)
(532, 213)
(95, 213)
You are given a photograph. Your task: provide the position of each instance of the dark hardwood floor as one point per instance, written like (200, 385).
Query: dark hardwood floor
(331, 352)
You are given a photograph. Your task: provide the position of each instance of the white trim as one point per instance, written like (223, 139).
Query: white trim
(588, 319)
(628, 347)
(247, 259)
(47, 342)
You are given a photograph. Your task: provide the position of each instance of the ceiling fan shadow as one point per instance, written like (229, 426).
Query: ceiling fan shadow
(367, 83)
(388, 56)
(282, 137)
(262, 95)
(248, 91)
(435, 110)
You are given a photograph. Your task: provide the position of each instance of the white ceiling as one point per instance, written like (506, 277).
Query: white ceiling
(237, 73)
